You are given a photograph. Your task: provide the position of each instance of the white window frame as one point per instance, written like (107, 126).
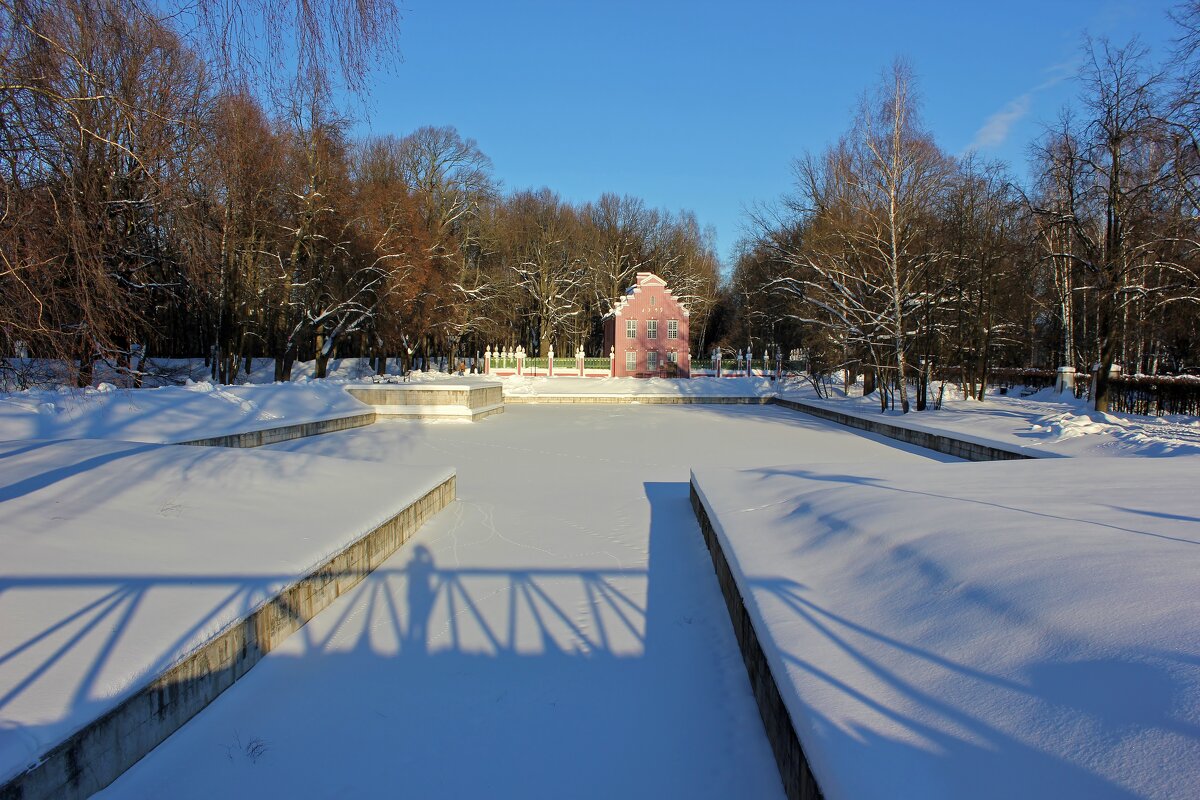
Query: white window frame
(651, 329)
(673, 356)
(631, 361)
(672, 329)
(631, 329)
(651, 361)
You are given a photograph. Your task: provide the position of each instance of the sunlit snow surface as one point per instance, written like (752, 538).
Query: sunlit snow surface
(119, 558)
(557, 632)
(1011, 629)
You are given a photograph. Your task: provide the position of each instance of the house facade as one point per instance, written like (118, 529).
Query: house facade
(647, 332)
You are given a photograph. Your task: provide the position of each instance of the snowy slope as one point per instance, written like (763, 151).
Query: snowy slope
(119, 558)
(1009, 629)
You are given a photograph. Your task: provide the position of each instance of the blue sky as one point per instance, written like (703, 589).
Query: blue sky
(703, 105)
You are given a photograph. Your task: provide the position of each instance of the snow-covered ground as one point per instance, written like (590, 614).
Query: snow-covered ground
(1010, 629)
(559, 628)
(557, 632)
(1044, 423)
(171, 413)
(118, 558)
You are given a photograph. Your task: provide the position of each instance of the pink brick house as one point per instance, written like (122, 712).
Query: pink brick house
(647, 330)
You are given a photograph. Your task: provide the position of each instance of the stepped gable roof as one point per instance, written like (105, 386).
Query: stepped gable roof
(642, 280)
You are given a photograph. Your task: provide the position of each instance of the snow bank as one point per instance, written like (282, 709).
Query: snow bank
(120, 558)
(1009, 629)
(1042, 422)
(171, 413)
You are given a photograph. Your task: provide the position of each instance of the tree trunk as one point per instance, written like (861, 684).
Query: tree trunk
(922, 389)
(321, 355)
(1108, 353)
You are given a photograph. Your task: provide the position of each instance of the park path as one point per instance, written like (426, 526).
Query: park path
(557, 632)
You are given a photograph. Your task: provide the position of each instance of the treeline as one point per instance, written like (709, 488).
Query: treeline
(895, 259)
(152, 206)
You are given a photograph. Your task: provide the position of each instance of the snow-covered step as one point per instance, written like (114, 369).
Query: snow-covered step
(139, 581)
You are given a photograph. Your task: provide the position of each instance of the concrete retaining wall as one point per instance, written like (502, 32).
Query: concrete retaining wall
(96, 755)
(437, 412)
(286, 432)
(668, 400)
(960, 448)
(432, 401)
(799, 783)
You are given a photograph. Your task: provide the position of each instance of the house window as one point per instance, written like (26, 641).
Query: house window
(630, 361)
(651, 360)
(651, 329)
(673, 357)
(631, 329)
(672, 329)
(652, 300)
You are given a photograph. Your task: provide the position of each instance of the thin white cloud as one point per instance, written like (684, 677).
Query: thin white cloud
(1064, 70)
(997, 127)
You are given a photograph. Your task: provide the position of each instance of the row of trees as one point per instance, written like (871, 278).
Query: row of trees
(895, 256)
(152, 202)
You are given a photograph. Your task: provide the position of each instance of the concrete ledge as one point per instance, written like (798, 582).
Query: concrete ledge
(653, 399)
(942, 443)
(435, 400)
(437, 412)
(286, 432)
(799, 783)
(96, 755)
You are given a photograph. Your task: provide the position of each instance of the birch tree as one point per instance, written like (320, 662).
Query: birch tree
(898, 174)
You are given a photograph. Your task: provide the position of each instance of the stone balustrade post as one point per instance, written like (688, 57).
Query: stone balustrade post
(1064, 381)
(520, 356)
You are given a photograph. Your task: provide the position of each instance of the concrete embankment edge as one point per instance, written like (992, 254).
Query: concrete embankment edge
(960, 448)
(286, 432)
(799, 783)
(96, 755)
(670, 400)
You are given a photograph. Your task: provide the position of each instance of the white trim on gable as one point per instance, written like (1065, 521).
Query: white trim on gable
(646, 279)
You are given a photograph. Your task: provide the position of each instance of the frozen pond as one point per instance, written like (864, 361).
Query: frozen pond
(558, 631)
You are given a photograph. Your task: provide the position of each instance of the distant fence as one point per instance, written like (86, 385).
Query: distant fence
(1155, 395)
(1002, 377)
(1149, 395)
